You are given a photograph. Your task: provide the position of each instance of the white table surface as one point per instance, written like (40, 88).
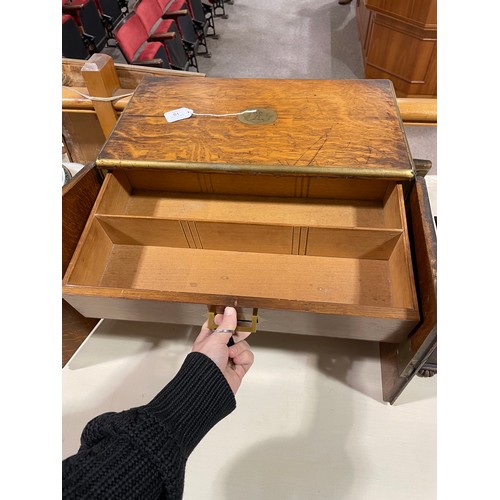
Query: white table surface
(309, 424)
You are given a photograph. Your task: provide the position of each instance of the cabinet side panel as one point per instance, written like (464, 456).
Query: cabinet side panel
(400, 362)
(77, 202)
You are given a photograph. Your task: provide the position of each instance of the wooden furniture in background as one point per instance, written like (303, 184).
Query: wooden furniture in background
(302, 218)
(399, 42)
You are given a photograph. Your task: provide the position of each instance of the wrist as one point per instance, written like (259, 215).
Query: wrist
(196, 399)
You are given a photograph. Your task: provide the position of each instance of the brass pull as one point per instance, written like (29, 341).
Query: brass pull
(246, 323)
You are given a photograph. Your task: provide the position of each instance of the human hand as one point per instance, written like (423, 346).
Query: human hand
(232, 361)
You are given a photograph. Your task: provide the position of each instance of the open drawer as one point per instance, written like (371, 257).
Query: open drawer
(341, 252)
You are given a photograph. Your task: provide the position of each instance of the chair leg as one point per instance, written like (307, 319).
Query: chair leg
(193, 61)
(209, 16)
(202, 40)
(219, 4)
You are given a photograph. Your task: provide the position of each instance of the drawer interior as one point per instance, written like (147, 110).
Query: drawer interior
(334, 244)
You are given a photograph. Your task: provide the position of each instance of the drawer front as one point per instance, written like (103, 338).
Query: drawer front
(268, 320)
(139, 310)
(332, 325)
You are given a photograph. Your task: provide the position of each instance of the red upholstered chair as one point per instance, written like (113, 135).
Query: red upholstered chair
(75, 44)
(156, 22)
(89, 19)
(190, 37)
(137, 46)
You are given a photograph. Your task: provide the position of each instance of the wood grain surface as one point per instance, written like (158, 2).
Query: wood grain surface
(323, 125)
(78, 197)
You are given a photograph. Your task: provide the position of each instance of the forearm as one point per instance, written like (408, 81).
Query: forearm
(142, 452)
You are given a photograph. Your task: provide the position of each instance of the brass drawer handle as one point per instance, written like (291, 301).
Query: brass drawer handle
(246, 323)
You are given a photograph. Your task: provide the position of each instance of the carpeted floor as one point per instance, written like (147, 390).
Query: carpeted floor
(286, 39)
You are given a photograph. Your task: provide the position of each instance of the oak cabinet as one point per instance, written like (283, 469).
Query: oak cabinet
(399, 42)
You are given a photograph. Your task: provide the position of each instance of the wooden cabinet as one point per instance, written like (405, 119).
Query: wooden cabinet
(399, 42)
(301, 222)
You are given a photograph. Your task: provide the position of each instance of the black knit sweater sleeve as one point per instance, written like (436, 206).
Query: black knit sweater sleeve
(141, 453)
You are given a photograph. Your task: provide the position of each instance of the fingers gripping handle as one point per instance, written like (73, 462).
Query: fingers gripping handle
(245, 324)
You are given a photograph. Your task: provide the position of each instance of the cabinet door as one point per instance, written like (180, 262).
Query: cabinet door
(400, 362)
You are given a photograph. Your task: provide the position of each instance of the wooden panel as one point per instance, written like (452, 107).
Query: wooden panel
(401, 45)
(403, 294)
(129, 75)
(359, 244)
(92, 257)
(83, 136)
(259, 184)
(78, 197)
(144, 310)
(143, 231)
(346, 125)
(394, 207)
(400, 362)
(189, 182)
(115, 194)
(245, 237)
(420, 12)
(244, 184)
(331, 325)
(245, 274)
(393, 51)
(258, 210)
(303, 323)
(347, 189)
(75, 329)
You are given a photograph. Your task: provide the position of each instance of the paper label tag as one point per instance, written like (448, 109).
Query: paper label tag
(178, 114)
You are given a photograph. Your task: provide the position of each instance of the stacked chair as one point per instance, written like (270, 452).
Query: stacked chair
(203, 17)
(88, 19)
(191, 37)
(75, 44)
(158, 33)
(112, 12)
(140, 48)
(95, 20)
(156, 22)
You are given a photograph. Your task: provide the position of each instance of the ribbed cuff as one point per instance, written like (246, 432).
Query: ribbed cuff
(196, 399)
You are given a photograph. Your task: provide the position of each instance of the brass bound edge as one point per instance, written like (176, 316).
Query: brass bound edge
(370, 173)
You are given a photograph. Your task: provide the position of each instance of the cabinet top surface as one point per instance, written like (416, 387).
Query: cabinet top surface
(331, 127)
